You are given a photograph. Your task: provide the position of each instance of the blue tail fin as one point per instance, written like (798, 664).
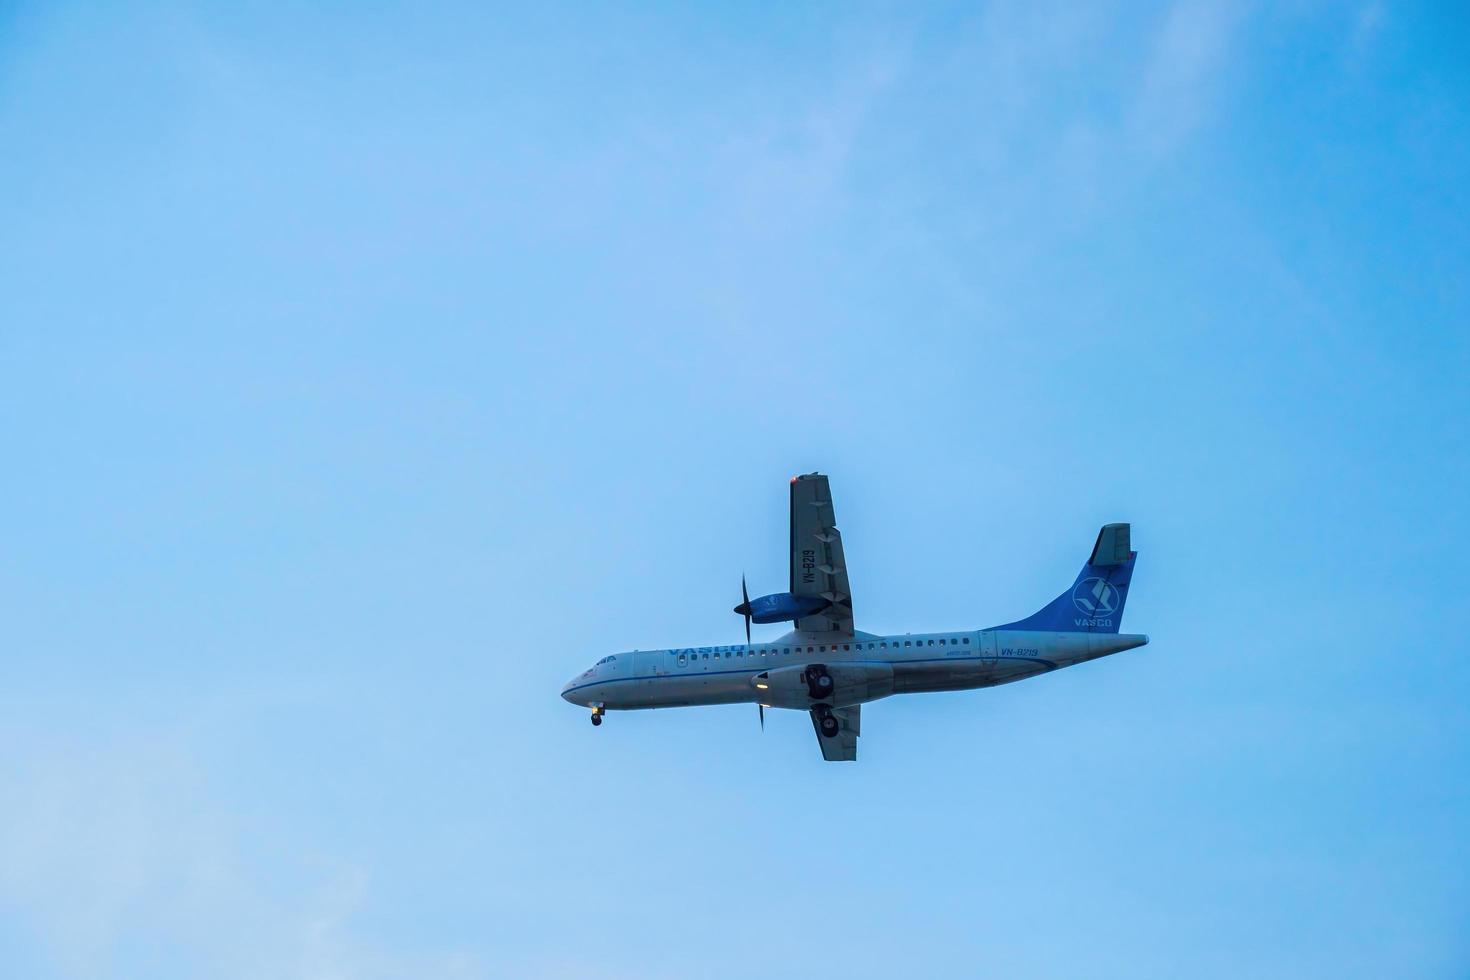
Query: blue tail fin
(1094, 603)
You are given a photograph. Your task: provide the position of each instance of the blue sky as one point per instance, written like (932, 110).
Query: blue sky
(368, 370)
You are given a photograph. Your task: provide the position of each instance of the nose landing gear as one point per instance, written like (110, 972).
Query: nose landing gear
(596, 714)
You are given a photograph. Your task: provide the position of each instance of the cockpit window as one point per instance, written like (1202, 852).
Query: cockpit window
(606, 660)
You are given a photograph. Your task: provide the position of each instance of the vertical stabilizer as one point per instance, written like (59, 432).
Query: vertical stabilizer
(1094, 603)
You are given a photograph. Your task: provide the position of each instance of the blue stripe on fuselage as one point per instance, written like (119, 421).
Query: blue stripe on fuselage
(757, 670)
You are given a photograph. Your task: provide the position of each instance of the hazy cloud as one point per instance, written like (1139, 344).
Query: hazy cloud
(113, 848)
(1179, 77)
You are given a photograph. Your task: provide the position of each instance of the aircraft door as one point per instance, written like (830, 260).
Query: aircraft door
(649, 668)
(988, 649)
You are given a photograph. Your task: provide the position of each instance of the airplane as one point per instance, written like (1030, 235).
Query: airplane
(829, 669)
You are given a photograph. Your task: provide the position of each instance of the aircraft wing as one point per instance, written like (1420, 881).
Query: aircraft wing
(841, 747)
(818, 567)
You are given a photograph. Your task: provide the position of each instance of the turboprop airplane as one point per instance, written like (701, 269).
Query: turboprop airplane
(830, 670)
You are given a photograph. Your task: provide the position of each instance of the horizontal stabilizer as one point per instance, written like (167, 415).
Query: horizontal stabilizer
(1112, 546)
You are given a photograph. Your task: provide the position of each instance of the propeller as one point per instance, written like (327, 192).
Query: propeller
(744, 608)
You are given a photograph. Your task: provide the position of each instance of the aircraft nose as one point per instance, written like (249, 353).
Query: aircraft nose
(567, 692)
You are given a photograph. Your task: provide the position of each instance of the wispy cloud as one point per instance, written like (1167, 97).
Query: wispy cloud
(115, 846)
(1179, 79)
(1367, 24)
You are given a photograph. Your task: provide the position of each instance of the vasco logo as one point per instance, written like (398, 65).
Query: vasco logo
(1094, 597)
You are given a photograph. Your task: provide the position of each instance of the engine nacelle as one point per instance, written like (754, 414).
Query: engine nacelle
(781, 607)
(791, 687)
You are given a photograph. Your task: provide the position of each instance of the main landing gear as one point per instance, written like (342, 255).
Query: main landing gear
(818, 682)
(819, 685)
(596, 714)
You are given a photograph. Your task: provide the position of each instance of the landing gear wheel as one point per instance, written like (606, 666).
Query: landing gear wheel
(818, 682)
(596, 716)
(830, 725)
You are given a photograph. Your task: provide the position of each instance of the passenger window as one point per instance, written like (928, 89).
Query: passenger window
(906, 643)
(941, 642)
(883, 646)
(682, 660)
(931, 643)
(967, 640)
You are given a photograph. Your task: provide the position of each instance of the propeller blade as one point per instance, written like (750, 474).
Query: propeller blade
(745, 595)
(763, 716)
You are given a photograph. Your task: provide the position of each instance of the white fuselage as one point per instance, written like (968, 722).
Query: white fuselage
(873, 667)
